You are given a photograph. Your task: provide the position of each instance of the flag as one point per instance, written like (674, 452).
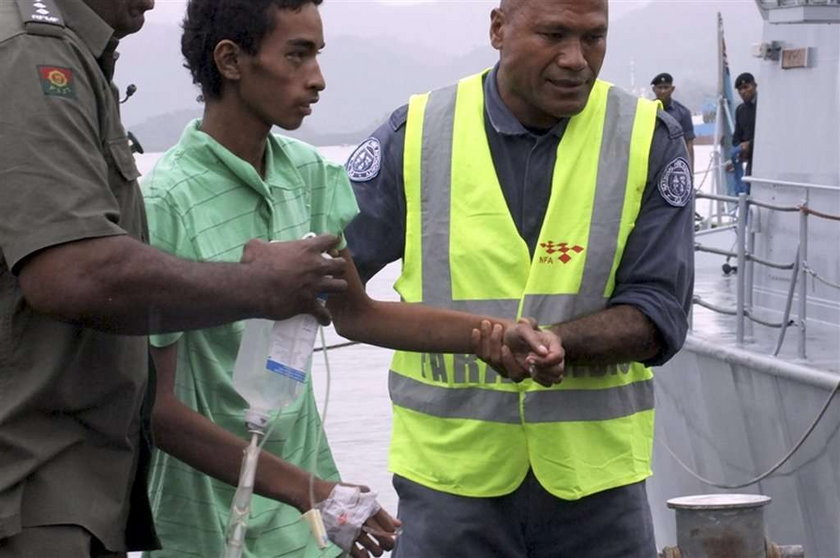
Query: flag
(726, 119)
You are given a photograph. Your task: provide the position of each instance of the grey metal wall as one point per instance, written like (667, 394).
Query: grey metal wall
(798, 140)
(730, 417)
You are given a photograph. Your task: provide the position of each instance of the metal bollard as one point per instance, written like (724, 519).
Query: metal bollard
(724, 526)
(788, 551)
(720, 525)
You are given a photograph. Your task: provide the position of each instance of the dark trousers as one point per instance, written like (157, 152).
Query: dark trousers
(528, 523)
(55, 541)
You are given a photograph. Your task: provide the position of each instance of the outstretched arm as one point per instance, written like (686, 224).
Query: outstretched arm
(121, 285)
(399, 325)
(414, 327)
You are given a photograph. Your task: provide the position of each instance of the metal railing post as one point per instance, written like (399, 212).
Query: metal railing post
(717, 158)
(716, 211)
(749, 270)
(741, 251)
(803, 277)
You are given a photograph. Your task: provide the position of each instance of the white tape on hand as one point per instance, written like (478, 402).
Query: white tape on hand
(344, 513)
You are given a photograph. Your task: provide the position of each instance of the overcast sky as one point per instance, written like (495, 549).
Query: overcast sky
(173, 10)
(378, 52)
(344, 17)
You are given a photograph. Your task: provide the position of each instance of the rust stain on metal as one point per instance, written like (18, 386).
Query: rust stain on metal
(728, 545)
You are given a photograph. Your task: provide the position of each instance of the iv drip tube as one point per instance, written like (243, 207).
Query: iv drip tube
(240, 508)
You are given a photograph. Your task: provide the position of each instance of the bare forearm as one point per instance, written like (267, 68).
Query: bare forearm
(398, 325)
(214, 451)
(177, 294)
(617, 334)
(121, 285)
(410, 327)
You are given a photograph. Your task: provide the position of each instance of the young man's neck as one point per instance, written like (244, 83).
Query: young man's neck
(241, 133)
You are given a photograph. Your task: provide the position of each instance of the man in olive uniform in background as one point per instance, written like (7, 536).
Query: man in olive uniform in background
(79, 289)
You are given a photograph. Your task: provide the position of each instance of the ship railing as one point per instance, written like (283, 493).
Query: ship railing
(744, 252)
(799, 11)
(718, 215)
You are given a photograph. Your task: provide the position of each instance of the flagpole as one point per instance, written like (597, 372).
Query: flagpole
(718, 156)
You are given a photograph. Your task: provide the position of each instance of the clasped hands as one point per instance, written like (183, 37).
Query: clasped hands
(521, 350)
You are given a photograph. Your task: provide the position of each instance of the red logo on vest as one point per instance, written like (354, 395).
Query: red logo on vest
(566, 252)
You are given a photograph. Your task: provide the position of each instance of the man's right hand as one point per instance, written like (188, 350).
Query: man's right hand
(746, 150)
(289, 276)
(520, 351)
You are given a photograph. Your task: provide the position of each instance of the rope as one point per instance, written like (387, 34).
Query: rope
(705, 173)
(336, 346)
(820, 214)
(816, 276)
(772, 469)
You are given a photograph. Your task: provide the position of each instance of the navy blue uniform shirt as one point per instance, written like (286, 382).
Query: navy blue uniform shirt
(656, 273)
(682, 115)
(744, 122)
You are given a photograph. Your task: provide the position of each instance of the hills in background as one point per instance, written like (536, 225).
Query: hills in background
(378, 54)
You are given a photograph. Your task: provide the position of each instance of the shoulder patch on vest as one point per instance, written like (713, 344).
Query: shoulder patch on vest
(365, 162)
(675, 185)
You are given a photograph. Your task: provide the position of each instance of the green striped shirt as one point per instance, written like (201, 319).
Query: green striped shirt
(204, 203)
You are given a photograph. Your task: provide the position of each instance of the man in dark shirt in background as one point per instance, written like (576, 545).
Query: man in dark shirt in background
(745, 118)
(663, 87)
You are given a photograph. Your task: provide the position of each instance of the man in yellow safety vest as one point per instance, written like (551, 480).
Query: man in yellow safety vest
(532, 189)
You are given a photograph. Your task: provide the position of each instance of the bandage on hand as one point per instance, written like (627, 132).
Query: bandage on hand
(344, 513)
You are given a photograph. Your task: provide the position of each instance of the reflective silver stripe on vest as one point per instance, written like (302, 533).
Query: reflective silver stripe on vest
(569, 405)
(561, 405)
(436, 187)
(461, 403)
(610, 192)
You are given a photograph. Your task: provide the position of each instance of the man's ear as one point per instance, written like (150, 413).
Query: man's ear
(497, 22)
(227, 59)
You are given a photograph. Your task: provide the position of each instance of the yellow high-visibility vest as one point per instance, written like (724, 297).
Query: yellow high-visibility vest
(458, 426)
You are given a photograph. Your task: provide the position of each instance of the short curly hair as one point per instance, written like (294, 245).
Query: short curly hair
(245, 22)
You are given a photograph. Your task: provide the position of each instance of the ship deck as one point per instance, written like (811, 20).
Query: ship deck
(714, 286)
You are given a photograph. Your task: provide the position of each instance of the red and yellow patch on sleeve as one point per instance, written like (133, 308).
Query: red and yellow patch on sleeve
(56, 81)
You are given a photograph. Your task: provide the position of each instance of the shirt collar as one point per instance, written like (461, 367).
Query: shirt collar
(209, 153)
(501, 118)
(87, 24)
